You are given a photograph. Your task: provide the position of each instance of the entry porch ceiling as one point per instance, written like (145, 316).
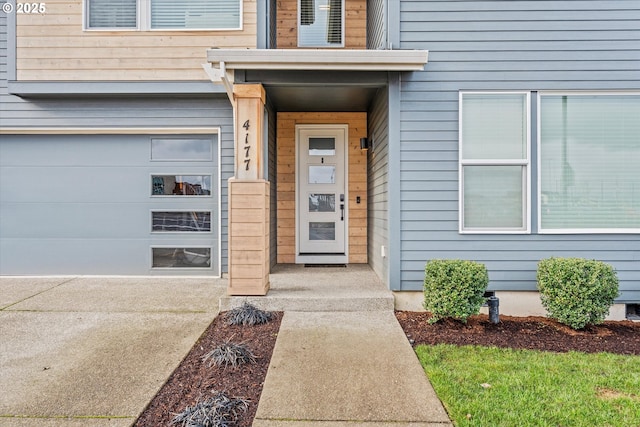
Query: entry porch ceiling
(316, 79)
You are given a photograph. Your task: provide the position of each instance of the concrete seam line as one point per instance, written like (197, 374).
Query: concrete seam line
(39, 293)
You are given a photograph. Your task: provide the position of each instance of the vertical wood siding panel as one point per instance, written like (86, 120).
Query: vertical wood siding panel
(286, 158)
(502, 45)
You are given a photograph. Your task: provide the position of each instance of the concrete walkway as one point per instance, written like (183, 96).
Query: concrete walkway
(355, 369)
(92, 352)
(341, 357)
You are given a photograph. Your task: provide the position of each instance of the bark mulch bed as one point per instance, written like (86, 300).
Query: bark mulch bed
(533, 333)
(194, 380)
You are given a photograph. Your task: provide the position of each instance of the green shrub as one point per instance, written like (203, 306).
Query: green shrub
(575, 291)
(454, 288)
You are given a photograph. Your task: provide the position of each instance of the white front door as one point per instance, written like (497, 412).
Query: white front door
(321, 178)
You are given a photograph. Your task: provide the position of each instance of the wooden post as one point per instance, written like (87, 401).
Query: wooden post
(249, 196)
(248, 237)
(250, 99)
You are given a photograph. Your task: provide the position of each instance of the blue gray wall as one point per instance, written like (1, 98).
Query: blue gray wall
(378, 185)
(501, 45)
(272, 177)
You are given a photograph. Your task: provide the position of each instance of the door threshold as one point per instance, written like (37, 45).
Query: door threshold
(325, 259)
(325, 265)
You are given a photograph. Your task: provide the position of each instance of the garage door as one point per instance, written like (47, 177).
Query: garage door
(105, 205)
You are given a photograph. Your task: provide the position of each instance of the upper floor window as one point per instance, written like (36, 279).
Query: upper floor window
(112, 14)
(320, 23)
(164, 14)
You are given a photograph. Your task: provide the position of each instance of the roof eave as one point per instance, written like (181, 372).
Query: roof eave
(318, 59)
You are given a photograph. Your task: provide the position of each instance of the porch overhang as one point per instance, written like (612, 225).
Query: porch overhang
(312, 79)
(318, 59)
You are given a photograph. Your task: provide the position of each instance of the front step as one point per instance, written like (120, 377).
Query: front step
(320, 289)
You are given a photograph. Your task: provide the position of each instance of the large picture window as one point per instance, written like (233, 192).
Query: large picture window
(589, 163)
(164, 14)
(494, 162)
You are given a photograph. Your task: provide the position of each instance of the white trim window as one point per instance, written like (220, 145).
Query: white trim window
(111, 14)
(589, 163)
(321, 23)
(494, 160)
(163, 15)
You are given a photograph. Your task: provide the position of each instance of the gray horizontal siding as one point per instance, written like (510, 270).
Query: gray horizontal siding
(502, 45)
(378, 185)
(272, 176)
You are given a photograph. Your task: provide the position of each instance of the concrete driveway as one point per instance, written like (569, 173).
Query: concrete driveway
(86, 351)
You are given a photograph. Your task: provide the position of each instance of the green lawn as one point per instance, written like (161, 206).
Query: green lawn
(487, 386)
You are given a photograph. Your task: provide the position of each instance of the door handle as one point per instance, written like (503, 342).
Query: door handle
(341, 211)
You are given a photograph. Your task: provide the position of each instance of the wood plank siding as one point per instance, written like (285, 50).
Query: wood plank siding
(249, 238)
(355, 24)
(497, 46)
(286, 185)
(53, 46)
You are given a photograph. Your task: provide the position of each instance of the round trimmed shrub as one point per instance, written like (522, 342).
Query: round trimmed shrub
(454, 288)
(576, 291)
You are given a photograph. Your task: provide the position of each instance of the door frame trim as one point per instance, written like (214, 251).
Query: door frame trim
(320, 258)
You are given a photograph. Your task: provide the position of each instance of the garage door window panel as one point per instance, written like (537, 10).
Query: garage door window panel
(181, 257)
(186, 222)
(182, 149)
(181, 185)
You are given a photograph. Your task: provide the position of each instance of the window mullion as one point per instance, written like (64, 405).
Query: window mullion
(144, 14)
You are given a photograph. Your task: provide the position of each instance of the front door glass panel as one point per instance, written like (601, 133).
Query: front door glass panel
(322, 174)
(322, 231)
(322, 146)
(322, 202)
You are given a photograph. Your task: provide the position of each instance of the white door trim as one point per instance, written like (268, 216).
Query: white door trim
(322, 258)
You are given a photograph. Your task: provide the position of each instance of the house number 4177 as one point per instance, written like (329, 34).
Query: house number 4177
(247, 146)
